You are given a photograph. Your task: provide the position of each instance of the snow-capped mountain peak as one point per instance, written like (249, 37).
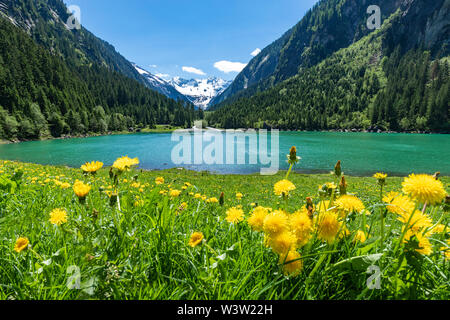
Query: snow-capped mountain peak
(197, 91)
(200, 91)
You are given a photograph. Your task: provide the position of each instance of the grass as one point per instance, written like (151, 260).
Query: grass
(141, 251)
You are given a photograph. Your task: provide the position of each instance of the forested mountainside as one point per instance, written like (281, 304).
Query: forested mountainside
(43, 94)
(50, 24)
(329, 26)
(396, 78)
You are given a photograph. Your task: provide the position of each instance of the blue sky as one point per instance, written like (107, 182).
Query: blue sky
(190, 38)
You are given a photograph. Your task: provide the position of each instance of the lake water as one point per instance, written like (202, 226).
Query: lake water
(360, 153)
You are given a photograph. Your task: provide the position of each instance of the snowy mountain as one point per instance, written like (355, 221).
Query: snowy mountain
(196, 91)
(160, 85)
(200, 91)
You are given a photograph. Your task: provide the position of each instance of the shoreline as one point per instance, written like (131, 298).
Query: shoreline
(162, 130)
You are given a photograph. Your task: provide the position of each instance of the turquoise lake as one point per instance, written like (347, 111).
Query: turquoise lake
(360, 153)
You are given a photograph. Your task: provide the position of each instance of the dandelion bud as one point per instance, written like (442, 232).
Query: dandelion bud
(436, 175)
(343, 186)
(111, 173)
(447, 203)
(310, 207)
(337, 169)
(292, 156)
(222, 199)
(113, 199)
(95, 213)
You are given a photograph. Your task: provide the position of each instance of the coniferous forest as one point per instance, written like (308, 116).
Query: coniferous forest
(42, 95)
(393, 79)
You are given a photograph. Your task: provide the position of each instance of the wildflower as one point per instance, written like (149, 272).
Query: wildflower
(419, 221)
(174, 193)
(424, 188)
(421, 242)
(348, 204)
(92, 167)
(81, 190)
(58, 216)
(292, 156)
(283, 187)
(360, 236)
(239, 196)
(275, 223)
(182, 207)
(196, 239)
(301, 226)
(292, 264)
(212, 200)
(159, 180)
(256, 220)
(398, 203)
(328, 226)
(125, 163)
(235, 215)
(197, 196)
(343, 186)
(283, 242)
(64, 185)
(21, 244)
(139, 203)
(381, 177)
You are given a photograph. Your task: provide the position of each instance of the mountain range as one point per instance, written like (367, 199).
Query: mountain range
(328, 72)
(199, 92)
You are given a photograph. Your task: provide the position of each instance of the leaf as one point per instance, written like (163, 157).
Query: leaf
(360, 263)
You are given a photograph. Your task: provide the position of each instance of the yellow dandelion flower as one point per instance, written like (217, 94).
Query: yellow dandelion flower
(292, 264)
(424, 245)
(275, 223)
(398, 203)
(348, 204)
(125, 163)
(58, 217)
(302, 227)
(418, 222)
(197, 196)
(159, 180)
(21, 244)
(92, 167)
(65, 185)
(174, 193)
(239, 196)
(424, 188)
(212, 200)
(139, 203)
(81, 190)
(256, 220)
(235, 215)
(328, 226)
(360, 236)
(283, 187)
(196, 239)
(283, 242)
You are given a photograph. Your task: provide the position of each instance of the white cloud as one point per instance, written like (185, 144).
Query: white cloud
(194, 70)
(228, 66)
(153, 66)
(256, 52)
